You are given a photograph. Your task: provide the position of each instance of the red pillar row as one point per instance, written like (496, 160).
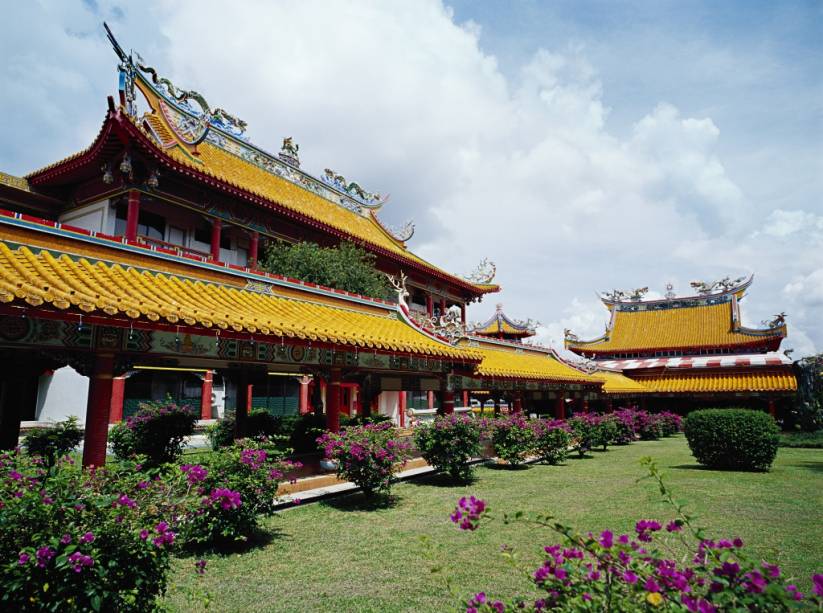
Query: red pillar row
(401, 408)
(448, 403)
(518, 403)
(216, 226)
(333, 393)
(254, 245)
(132, 215)
(303, 407)
(205, 397)
(429, 305)
(97, 411)
(560, 407)
(118, 392)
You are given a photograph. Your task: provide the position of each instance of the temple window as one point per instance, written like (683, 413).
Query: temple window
(149, 225)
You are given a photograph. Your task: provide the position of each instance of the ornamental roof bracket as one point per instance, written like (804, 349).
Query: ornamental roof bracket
(483, 274)
(717, 287)
(133, 67)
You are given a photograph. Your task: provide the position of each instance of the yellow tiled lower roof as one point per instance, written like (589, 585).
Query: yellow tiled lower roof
(693, 326)
(721, 382)
(527, 365)
(77, 283)
(618, 383)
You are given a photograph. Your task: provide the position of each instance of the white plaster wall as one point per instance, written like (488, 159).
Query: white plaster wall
(388, 403)
(97, 217)
(62, 394)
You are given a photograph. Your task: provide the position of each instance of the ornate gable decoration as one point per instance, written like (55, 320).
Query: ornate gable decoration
(717, 287)
(194, 121)
(483, 274)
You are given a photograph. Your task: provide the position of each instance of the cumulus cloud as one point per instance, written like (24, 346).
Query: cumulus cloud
(518, 166)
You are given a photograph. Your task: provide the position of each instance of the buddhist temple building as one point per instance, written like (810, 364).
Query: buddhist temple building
(693, 351)
(129, 271)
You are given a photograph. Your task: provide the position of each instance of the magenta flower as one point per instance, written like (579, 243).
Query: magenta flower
(200, 565)
(23, 559)
(194, 473)
(65, 539)
(468, 512)
(817, 587)
(88, 537)
(630, 577)
(606, 539)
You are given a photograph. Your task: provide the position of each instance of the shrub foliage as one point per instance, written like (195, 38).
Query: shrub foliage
(449, 444)
(735, 439)
(156, 431)
(54, 442)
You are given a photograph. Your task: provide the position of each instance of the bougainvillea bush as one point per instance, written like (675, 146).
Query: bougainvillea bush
(648, 426)
(156, 431)
(366, 455)
(552, 439)
(609, 571)
(228, 492)
(73, 540)
(625, 432)
(512, 438)
(449, 444)
(588, 432)
(670, 423)
(735, 439)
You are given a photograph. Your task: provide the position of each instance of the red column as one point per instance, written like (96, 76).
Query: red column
(333, 401)
(772, 408)
(97, 411)
(304, 395)
(401, 408)
(254, 243)
(585, 405)
(463, 313)
(518, 402)
(132, 215)
(560, 407)
(205, 395)
(216, 226)
(118, 392)
(430, 399)
(448, 403)
(429, 305)
(442, 306)
(466, 399)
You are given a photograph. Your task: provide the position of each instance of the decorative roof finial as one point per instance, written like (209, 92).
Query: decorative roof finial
(670, 295)
(288, 152)
(483, 274)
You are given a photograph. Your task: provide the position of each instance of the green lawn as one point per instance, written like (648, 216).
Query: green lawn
(336, 556)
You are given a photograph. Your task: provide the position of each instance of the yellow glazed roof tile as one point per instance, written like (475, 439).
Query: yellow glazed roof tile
(65, 283)
(721, 382)
(693, 326)
(527, 365)
(618, 383)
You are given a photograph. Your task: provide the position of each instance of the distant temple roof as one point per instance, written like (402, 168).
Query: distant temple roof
(673, 326)
(501, 326)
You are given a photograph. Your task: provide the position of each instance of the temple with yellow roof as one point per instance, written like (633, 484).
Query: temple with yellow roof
(693, 351)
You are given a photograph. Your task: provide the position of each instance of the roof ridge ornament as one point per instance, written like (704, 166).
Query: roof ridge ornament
(778, 322)
(483, 274)
(288, 152)
(351, 188)
(717, 287)
(632, 295)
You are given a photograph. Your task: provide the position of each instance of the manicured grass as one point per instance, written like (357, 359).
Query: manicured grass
(339, 556)
(802, 439)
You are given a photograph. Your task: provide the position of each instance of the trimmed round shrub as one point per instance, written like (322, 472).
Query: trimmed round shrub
(733, 439)
(551, 440)
(156, 431)
(512, 439)
(449, 444)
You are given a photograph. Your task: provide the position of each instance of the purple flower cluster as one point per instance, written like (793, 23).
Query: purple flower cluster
(644, 529)
(254, 458)
(194, 473)
(125, 501)
(164, 535)
(468, 512)
(224, 497)
(480, 600)
(79, 561)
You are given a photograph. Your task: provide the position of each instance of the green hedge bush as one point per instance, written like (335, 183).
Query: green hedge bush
(735, 439)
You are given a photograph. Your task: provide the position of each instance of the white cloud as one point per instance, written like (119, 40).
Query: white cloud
(519, 167)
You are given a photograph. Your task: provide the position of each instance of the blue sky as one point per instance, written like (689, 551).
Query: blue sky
(582, 146)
